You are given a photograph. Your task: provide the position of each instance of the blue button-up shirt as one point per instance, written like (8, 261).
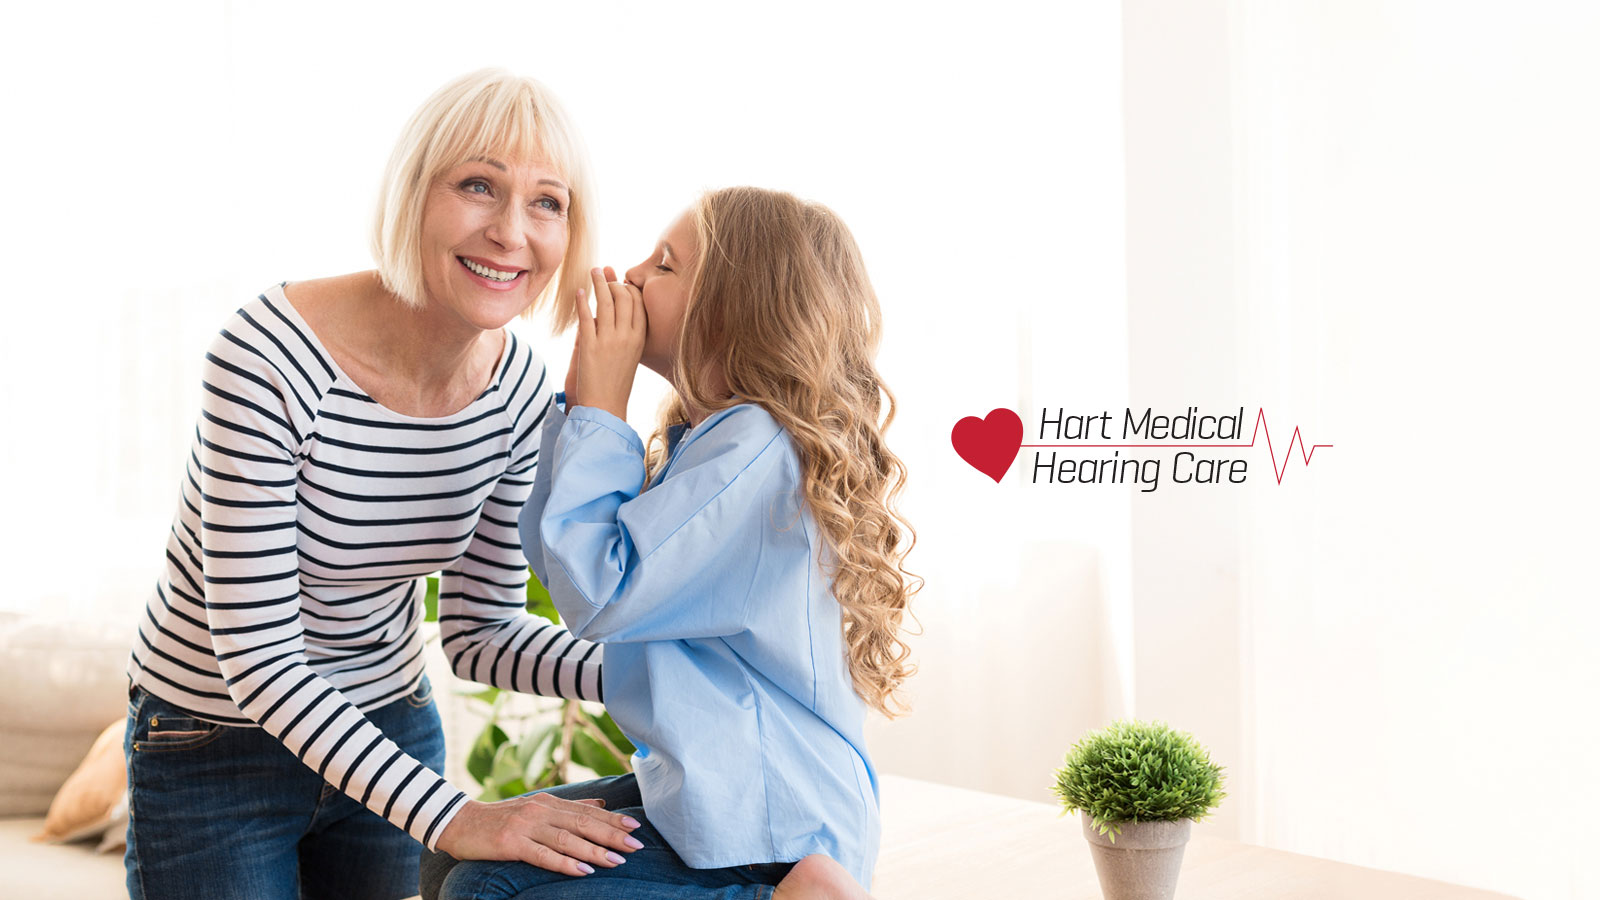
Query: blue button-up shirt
(725, 661)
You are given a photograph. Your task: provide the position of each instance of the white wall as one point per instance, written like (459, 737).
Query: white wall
(1183, 338)
(1386, 221)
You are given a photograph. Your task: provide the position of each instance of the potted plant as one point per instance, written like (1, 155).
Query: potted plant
(1138, 786)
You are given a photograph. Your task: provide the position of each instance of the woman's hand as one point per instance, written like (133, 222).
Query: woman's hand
(609, 346)
(563, 836)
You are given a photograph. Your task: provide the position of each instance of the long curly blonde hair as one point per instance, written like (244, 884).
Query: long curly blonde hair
(780, 306)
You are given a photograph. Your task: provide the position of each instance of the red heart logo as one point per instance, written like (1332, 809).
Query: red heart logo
(989, 444)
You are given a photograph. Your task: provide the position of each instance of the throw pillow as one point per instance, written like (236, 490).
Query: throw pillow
(88, 800)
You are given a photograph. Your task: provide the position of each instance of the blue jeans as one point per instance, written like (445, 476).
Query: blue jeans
(654, 872)
(219, 812)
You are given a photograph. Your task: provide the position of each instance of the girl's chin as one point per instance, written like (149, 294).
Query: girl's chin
(664, 369)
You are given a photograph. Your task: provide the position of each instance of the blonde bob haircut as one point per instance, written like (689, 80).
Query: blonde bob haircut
(487, 114)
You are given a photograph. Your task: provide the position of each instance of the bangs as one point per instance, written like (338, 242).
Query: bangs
(509, 123)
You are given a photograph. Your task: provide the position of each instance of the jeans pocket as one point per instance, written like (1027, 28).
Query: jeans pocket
(157, 732)
(423, 695)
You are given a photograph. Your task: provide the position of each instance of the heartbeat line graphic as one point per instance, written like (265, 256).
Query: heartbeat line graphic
(1260, 429)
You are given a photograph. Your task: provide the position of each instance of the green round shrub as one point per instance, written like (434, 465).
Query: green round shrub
(1138, 772)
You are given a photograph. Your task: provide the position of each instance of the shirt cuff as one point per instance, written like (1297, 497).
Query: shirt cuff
(607, 421)
(445, 820)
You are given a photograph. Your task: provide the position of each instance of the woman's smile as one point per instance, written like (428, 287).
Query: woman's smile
(496, 277)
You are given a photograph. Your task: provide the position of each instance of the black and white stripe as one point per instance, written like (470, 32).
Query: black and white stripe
(291, 597)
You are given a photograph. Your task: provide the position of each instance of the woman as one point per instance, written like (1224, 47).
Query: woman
(357, 433)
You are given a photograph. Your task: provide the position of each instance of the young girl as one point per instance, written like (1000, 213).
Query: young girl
(745, 570)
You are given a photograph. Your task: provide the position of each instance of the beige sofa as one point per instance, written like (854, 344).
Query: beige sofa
(64, 684)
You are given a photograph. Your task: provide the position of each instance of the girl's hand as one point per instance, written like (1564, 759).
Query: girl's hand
(563, 836)
(609, 345)
(572, 367)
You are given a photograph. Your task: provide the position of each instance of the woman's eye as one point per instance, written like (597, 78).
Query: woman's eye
(549, 204)
(475, 186)
(663, 268)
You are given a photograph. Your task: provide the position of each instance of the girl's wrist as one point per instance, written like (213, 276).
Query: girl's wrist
(614, 406)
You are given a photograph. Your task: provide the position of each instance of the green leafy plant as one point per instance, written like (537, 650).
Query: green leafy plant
(1134, 771)
(539, 756)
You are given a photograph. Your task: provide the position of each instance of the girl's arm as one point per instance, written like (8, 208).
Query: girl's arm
(677, 561)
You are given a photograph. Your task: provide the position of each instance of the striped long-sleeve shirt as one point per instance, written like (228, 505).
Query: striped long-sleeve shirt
(291, 598)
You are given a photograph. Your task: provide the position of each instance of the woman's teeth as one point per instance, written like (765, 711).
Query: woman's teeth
(485, 271)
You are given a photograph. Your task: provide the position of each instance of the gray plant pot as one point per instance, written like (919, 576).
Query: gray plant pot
(1143, 864)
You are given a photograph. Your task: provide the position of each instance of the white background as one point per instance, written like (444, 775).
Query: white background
(1377, 221)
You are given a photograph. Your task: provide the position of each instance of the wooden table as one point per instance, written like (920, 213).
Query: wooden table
(943, 842)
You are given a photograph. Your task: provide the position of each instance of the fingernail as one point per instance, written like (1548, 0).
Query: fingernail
(587, 869)
(632, 841)
(616, 858)
(630, 821)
